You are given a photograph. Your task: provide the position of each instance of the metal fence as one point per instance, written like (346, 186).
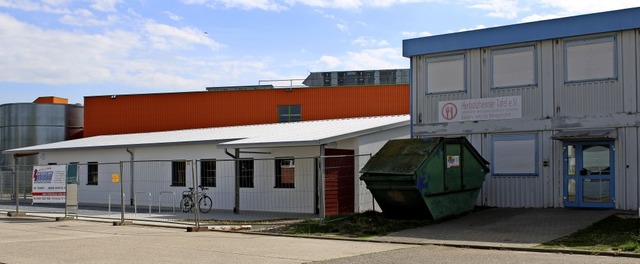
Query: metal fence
(239, 189)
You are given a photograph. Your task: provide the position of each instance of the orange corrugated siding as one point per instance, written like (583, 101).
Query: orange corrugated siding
(171, 111)
(51, 100)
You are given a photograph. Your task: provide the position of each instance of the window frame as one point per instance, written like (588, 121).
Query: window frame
(246, 177)
(175, 173)
(515, 137)
(286, 117)
(93, 173)
(514, 50)
(589, 41)
(278, 173)
(207, 173)
(452, 57)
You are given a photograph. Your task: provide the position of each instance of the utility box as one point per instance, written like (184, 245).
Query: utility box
(426, 177)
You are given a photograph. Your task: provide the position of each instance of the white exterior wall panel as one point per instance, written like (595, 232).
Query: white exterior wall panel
(153, 175)
(369, 145)
(587, 98)
(549, 107)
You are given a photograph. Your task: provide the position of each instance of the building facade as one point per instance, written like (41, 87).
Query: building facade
(345, 95)
(553, 105)
(308, 167)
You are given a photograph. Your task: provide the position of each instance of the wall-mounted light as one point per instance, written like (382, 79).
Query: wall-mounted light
(113, 96)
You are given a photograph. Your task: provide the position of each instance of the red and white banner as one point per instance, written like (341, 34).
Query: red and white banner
(49, 184)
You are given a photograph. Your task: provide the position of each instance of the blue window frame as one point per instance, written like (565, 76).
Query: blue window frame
(514, 155)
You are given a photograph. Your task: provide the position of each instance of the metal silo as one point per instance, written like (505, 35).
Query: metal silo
(28, 124)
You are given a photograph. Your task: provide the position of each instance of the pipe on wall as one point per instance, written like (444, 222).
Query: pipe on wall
(132, 176)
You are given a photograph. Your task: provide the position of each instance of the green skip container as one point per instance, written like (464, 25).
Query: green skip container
(426, 177)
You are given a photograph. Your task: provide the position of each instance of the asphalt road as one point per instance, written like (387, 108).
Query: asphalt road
(42, 240)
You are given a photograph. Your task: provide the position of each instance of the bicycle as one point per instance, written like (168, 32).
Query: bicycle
(186, 204)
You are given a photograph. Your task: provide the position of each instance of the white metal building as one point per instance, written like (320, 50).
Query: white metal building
(270, 143)
(553, 105)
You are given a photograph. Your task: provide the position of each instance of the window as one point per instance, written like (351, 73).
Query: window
(289, 113)
(346, 78)
(515, 155)
(285, 173)
(326, 79)
(246, 173)
(208, 173)
(92, 173)
(178, 173)
(364, 77)
(513, 67)
(387, 77)
(446, 74)
(590, 59)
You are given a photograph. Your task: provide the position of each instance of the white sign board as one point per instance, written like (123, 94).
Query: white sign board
(507, 107)
(49, 184)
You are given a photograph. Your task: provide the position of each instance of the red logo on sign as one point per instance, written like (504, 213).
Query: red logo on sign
(449, 111)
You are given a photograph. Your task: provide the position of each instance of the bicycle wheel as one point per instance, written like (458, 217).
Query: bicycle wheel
(186, 204)
(205, 204)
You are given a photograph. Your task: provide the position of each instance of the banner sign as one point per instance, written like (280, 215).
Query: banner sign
(49, 184)
(507, 107)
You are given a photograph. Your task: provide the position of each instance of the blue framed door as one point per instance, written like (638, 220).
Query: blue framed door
(589, 179)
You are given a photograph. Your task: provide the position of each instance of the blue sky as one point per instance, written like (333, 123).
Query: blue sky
(81, 48)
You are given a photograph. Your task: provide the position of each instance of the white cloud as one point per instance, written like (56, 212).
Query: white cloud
(368, 42)
(173, 16)
(472, 28)
(59, 57)
(500, 8)
(370, 59)
(56, 57)
(538, 17)
(326, 62)
(105, 5)
(566, 8)
(267, 5)
(342, 27)
(166, 37)
(408, 34)
(84, 17)
(575, 7)
(54, 7)
(352, 4)
(545, 9)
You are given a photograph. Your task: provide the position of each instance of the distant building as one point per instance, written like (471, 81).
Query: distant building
(381, 92)
(46, 120)
(553, 105)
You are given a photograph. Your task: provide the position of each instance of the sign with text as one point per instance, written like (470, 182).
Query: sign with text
(507, 107)
(49, 184)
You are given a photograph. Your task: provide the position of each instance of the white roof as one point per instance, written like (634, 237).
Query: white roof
(306, 133)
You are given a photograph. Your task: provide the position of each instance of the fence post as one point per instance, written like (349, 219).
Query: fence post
(196, 194)
(15, 183)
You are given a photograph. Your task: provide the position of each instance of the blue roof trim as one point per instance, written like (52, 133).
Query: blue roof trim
(618, 20)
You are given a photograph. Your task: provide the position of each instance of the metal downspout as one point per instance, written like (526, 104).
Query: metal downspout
(236, 208)
(321, 183)
(132, 177)
(412, 111)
